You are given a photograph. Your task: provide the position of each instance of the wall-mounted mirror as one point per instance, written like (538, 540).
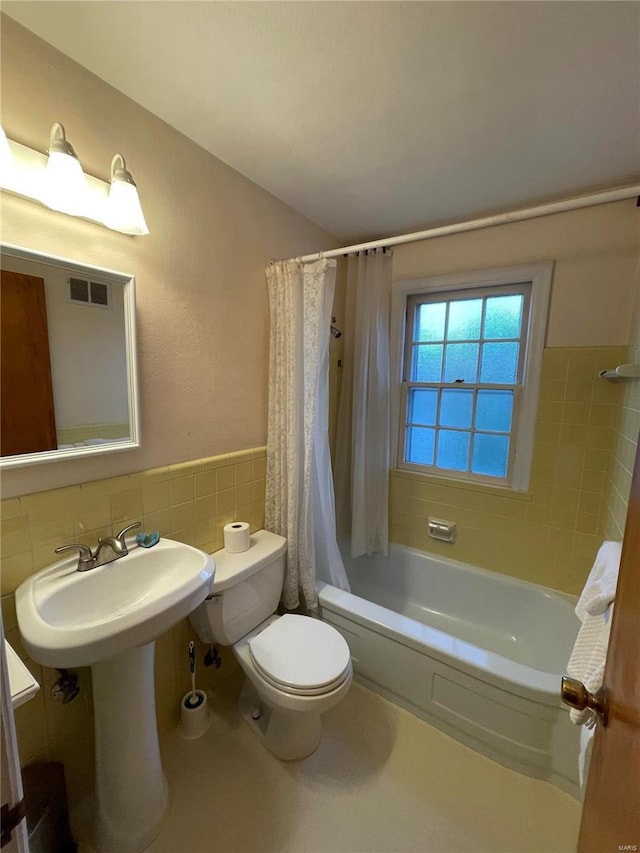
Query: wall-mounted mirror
(68, 368)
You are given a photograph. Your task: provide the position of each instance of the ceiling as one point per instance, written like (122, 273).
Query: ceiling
(377, 118)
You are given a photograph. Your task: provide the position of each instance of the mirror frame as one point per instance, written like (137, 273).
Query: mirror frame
(129, 293)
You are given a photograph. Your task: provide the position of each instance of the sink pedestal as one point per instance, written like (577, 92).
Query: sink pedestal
(131, 789)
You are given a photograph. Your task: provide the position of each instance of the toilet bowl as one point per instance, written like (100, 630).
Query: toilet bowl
(282, 699)
(296, 667)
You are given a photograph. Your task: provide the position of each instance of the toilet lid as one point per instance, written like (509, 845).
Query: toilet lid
(300, 652)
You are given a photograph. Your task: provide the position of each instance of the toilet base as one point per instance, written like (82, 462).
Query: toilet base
(290, 735)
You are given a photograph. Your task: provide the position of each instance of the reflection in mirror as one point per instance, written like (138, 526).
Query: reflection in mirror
(68, 368)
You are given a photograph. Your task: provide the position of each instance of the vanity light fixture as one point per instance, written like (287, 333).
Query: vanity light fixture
(64, 187)
(57, 181)
(123, 211)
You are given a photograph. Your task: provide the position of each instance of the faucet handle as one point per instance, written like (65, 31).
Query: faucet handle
(125, 530)
(85, 555)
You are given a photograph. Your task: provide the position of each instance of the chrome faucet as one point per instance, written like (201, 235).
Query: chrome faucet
(85, 556)
(115, 544)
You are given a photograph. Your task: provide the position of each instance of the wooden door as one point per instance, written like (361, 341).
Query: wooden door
(27, 419)
(611, 813)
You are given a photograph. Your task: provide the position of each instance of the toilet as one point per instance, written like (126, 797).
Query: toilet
(296, 667)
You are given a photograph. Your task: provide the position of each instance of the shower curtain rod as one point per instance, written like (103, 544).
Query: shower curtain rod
(576, 203)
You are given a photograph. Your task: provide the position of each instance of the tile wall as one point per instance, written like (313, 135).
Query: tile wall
(549, 535)
(190, 502)
(627, 425)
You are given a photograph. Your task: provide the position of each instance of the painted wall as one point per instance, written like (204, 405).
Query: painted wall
(202, 311)
(596, 256)
(586, 429)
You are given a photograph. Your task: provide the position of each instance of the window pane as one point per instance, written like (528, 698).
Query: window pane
(503, 316)
(430, 322)
(499, 363)
(456, 408)
(461, 362)
(490, 454)
(419, 445)
(427, 363)
(423, 404)
(453, 449)
(493, 410)
(465, 316)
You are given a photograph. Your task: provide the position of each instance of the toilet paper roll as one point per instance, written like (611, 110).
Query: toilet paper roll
(236, 537)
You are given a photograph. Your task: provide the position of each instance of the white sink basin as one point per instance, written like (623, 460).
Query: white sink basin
(69, 618)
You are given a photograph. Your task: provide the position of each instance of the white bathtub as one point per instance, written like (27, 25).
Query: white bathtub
(476, 653)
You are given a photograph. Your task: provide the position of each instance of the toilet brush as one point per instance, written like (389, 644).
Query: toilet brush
(194, 713)
(196, 697)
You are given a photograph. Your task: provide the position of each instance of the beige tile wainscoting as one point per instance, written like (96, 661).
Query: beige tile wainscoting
(190, 502)
(585, 440)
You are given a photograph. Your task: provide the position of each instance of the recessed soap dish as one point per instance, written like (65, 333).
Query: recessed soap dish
(439, 528)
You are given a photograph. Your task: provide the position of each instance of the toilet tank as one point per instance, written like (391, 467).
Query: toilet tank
(246, 590)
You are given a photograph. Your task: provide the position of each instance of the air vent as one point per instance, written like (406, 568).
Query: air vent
(84, 292)
(99, 294)
(78, 290)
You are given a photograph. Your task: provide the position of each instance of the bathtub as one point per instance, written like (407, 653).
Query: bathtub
(476, 653)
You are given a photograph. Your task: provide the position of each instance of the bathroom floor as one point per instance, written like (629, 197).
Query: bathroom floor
(381, 780)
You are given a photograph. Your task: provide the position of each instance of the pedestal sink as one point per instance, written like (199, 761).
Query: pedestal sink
(108, 618)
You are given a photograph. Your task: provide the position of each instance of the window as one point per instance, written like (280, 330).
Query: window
(469, 376)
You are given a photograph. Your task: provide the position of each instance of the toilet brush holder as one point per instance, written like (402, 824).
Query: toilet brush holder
(194, 715)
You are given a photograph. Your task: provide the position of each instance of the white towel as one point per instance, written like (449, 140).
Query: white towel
(588, 658)
(600, 588)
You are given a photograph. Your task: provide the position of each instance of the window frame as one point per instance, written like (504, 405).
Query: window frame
(538, 276)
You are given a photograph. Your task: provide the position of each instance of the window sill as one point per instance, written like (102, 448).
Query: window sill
(466, 485)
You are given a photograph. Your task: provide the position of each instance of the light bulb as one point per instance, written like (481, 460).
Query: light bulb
(124, 211)
(65, 187)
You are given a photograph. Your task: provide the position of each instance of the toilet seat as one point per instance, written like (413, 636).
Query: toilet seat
(301, 655)
(300, 691)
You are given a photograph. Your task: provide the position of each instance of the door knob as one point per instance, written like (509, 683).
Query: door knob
(575, 694)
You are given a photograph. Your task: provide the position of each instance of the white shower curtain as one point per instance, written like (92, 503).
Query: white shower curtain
(362, 445)
(299, 488)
